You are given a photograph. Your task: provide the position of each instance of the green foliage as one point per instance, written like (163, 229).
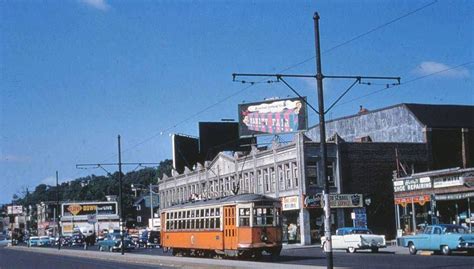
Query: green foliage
(95, 188)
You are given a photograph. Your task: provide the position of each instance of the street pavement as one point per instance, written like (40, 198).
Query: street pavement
(292, 256)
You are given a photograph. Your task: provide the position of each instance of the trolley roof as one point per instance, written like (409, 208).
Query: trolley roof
(234, 199)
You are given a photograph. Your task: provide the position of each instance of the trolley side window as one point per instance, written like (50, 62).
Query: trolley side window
(244, 217)
(263, 216)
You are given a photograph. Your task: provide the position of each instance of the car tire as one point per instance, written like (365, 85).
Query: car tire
(111, 249)
(412, 249)
(101, 248)
(375, 250)
(351, 249)
(445, 250)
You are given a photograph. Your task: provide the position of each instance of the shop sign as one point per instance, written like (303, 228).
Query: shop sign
(467, 179)
(421, 200)
(313, 201)
(345, 200)
(335, 201)
(449, 181)
(290, 203)
(454, 196)
(67, 228)
(92, 219)
(412, 184)
(360, 217)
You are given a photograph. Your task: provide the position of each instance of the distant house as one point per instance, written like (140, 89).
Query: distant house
(143, 209)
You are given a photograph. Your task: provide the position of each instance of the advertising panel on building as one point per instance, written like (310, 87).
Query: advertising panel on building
(290, 203)
(412, 184)
(14, 210)
(273, 117)
(81, 210)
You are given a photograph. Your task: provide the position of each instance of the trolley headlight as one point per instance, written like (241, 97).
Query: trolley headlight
(264, 237)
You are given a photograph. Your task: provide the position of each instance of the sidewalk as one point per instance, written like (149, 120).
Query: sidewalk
(390, 248)
(181, 262)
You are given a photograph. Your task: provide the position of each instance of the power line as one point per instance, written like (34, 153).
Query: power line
(381, 26)
(407, 82)
(265, 80)
(363, 34)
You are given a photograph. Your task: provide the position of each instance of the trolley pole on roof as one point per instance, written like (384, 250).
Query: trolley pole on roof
(322, 124)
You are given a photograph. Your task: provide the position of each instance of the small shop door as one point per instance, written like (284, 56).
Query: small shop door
(230, 231)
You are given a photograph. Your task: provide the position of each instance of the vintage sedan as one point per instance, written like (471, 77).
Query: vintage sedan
(442, 238)
(36, 241)
(112, 242)
(352, 239)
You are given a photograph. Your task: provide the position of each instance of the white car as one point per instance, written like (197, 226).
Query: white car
(352, 239)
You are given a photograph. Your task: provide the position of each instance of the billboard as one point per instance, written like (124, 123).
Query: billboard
(215, 137)
(185, 152)
(80, 210)
(273, 117)
(14, 210)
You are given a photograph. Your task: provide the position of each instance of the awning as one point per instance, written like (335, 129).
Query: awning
(453, 196)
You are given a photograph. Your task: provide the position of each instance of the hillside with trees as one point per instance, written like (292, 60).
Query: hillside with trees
(95, 188)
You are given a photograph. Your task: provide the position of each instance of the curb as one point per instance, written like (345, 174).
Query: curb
(167, 261)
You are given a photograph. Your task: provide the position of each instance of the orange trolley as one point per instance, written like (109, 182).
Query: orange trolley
(244, 225)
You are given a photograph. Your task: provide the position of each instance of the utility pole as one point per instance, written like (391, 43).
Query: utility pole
(322, 138)
(58, 227)
(322, 125)
(119, 164)
(121, 222)
(151, 206)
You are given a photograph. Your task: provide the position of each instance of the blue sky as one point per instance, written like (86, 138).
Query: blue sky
(75, 74)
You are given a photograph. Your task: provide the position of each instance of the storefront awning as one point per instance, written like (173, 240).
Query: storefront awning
(453, 196)
(419, 199)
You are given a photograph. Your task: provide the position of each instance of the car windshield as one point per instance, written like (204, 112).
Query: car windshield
(455, 230)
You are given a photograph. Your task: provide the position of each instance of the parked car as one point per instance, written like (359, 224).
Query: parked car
(352, 239)
(41, 241)
(4, 241)
(112, 242)
(149, 239)
(77, 239)
(442, 238)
